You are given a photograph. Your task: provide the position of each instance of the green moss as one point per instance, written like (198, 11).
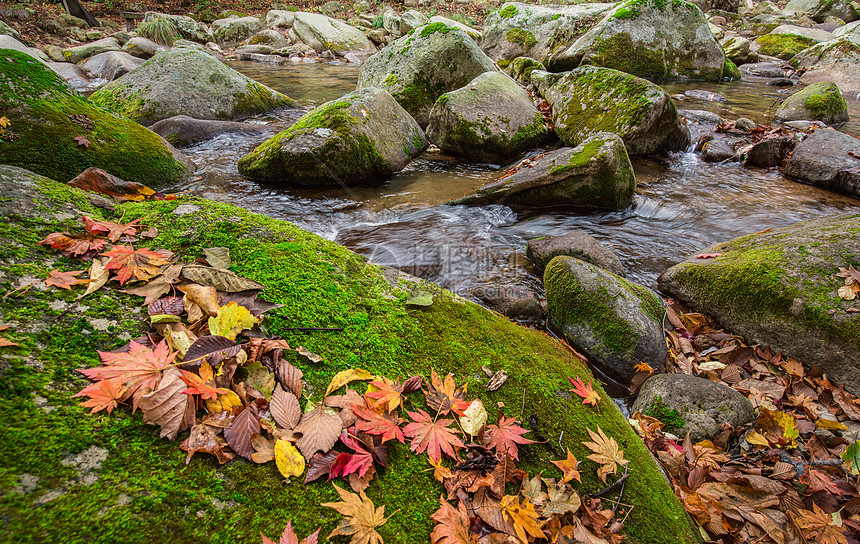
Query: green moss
(433, 28)
(503, 63)
(783, 46)
(521, 37)
(823, 100)
(620, 53)
(46, 115)
(631, 9)
(508, 11)
(670, 418)
(731, 71)
(587, 153)
(390, 79)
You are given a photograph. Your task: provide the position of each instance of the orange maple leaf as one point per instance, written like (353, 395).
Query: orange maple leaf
(113, 230)
(434, 437)
(103, 395)
(505, 436)
(203, 384)
(587, 392)
(141, 263)
(569, 467)
(77, 247)
(384, 397)
(65, 280)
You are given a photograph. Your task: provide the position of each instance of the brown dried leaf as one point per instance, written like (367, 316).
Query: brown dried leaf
(319, 431)
(244, 426)
(168, 406)
(285, 408)
(205, 439)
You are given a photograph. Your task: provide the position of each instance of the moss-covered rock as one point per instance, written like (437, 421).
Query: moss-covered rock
(780, 288)
(783, 46)
(419, 67)
(589, 100)
(139, 485)
(82, 52)
(819, 102)
(327, 34)
(229, 32)
(360, 137)
(654, 39)
(521, 69)
(835, 61)
(596, 175)
(613, 322)
(187, 82)
(491, 119)
(46, 116)
(819, 10)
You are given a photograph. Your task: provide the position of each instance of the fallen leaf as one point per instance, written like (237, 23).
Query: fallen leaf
(222, 280)
(231, 320)
(72, 246)
(474, 418)
(346, 376)
(587, 392)
(820, 527)
(203, 383)
(569, 468)
(385, 426)
(218, 257)
(434, 437)
(289, 537)
(606, 453)
(168, 406)
(507, 436)
(244, 426)
(444, 395)
(261, 379)
(80, 141)
(142, 263)
(523, 517)
(288, 459)
(452, 525)
(309, 355)
(320, 431)
(98, 277)
(320, 465)
(103, 395)
(223, 403)
(285, 408)
(204, 439)
(65, 280)
(708, 255)
(361, 517)
(97, 180)
(383, 395)
(4, 342)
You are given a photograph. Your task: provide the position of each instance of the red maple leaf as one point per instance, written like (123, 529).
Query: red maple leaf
(587, 392)
(113, 230)
(289, 537)
(141, 263)
(388, 426)
(81, 141)
(384, 397)
(203, 384)
(434, 437)
(348, 463)
(84, 248)
(65, 280)
(505, 436)
(103, 395)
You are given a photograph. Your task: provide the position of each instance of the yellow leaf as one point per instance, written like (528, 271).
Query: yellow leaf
(231, 320)
(290, 462)
(523, 517)
(4, 122)
(606, 453)
(223, 403)
(830, 425)
(345, 376)
(474, 417)
(778, 427)
(756, 439)
(361, 517)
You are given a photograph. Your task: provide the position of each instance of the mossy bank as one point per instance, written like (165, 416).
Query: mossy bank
(143, 491)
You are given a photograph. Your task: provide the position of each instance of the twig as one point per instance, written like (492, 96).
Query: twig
(559, 439)
(608, 489)
(523, 407)
(800, 467)
(623, 486)
(311, 329)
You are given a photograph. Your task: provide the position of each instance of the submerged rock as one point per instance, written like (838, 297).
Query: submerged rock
(187, 82)
(779, 288)
(578, 244)
(589, 99)
(491, 119)
(595, 175)
(651, 39)
(362, 136)
(825, 159)
(182, 130)
(819, 102)
(418, 68)
(56, 132)
(613, 322)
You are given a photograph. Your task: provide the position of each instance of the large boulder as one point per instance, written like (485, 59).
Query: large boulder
(491, 119)
(187, 27)
(118, 462)
(589, 100)
(280, 18)
(412, 19)
(327, 34)
(655, 40)
(475, 34)
(526, 30)
(815, 34)
(182, 130)
(596, 175)
(87, 50)
(56, 132)
(426, 63)
(825, 159)
(779, 288)
(782, 46)
(186, 82)
(8, 42)
(231, 31)
(819, 10)
(737, 48)
(362, 136)
(819, 102)
(702, 405)
(615, 323)
(851, 32)
(110, 65)
(577, 244)
(141, 47)
(835, 61)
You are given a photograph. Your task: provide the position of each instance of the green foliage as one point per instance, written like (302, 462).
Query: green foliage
(508, 11)
(160, 30)
(521, 37)
(670, 418)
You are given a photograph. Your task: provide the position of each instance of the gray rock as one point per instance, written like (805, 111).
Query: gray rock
(491, 119)
(70, 21)
(74, 75)
(271, 38)
(613, 322)
(823, 159)
(589, 99)
(718, 150)
(231, 31)
(363, 136)
(122, 36)
(110, 65)
(418, 68)
(186, 82)
(804, 125)
(762, 69)
(327, 34)
(701, 117)
(811, 33)
(471, 32)
(8, 42)
(521, 69)
(770, 152)
(706, 96)
(277, 18)
(595, 175)
(835, 61)
(82, 52)
(821, 101)
(848, 31)
(412, 19)
(243, 51)
(182, 130)
(745, 124)
(577, 244)
(391, 22)
(512, 301)
(188, 28)
(7, 30)
(143, 48)
(779, 288)
(54, 53)
(526, 30)
(702, 404)
(658, 41)
(737, 49)
(819, 10)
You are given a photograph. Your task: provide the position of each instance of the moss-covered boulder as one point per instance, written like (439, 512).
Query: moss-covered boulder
(737, 49)
(649, 38)
(577, 244)
(364, 136)
(82, 52)
(835, 61)
(527, 30)
(70, 476)
(229, 32)
(819, 10)
(783, 46)
(327, 34)
(419, 67)
(491, 119)
(826, 158)
(589, 100)
(521, 69)
(8, 42)
(819, 102)
(596, 175)
(187, 82)
(46, 117)
(779, 288)
(612, 321)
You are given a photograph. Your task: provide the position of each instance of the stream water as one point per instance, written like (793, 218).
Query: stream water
(682, 204)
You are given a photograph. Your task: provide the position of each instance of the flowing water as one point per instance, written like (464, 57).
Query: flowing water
(682, 204)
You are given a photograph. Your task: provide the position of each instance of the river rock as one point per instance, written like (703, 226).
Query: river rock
(73, 75)
(521, 69)
(770, 152)
(718, 150)
(655, 40)
(362, 136)
(819, 10)
(819, 102)
(475, 34)
(412, 19)
(835, 61)
(188, 28)
(279, 18)
(182, 130)
(491, 119)
(143, 48)
(702, 404)
(595, 175)
(814, 34)
(613, 322)
(327, 34)
(782, 46)
(8, 42)
(186, 82)
(589, 99)
(512, 301)
(825, 159)
(391, 22)
(737, 49)
(762, 69)
(110, 65)
(419, 67)
(577, 244)
(82, 52)
(229, 32)
(526, 30)
(7, 30)
(851, 31)
(779, 288)
(268, 37)
(46, 115)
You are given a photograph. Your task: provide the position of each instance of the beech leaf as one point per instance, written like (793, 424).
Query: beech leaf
(285, 408)
(244, 426)
(231, 320)
(320, 431)
(288, 459)
(168, 406)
